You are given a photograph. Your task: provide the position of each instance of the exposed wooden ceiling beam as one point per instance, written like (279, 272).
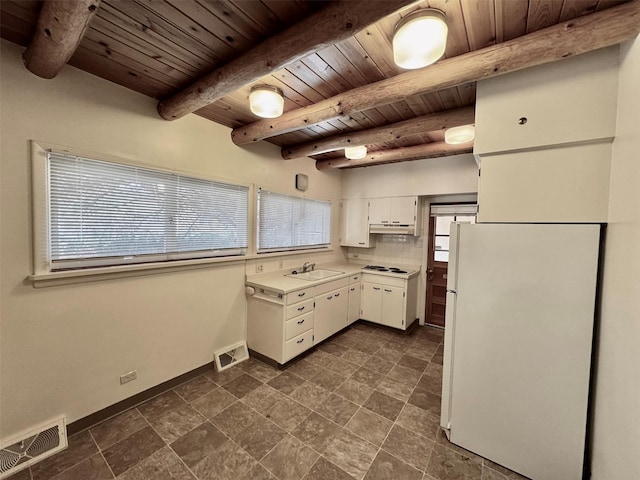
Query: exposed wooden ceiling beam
(580, 35)
(61, 26)
(332, 24)
(416, 152)
(387, 133)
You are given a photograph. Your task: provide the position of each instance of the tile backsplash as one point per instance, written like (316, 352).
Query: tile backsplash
(400, 249)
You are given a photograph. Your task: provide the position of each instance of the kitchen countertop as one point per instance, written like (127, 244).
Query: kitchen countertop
(279, 283)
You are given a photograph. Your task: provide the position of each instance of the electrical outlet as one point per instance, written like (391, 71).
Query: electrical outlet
(259, 268)
(128, 377)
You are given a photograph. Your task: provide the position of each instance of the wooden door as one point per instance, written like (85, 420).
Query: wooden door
(436, 282)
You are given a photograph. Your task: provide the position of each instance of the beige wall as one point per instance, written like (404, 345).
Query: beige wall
(616, 429)
(63, 348)
(432, 176)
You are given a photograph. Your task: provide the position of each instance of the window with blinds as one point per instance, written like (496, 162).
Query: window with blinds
(286, 222)
(103, 213)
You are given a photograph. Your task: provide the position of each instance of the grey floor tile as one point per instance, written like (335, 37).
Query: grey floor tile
(93, 467)
(323, 469)
(260, 437)
(317, 432)
(355, 356)
(319, 358)
(229, 462)
(409, 447)
(199, 443)
(195, 388)
(263, 398)
(395, 389)
(391, 356)
(288, 414)
(342, 366)
(135, 448)
(367, 376)
(304, 368)
(419, 421)
(337, 409)
(328, 380)
(384, 405)
(286, 382)
(433, 370)
(81, 446)
(310, 395)
(290, 459)
(379, 365)
(332, 348)
(162, 465)
(426, 400)
(261, 371)
(386, 467)
(415, 363)
(366, 347)
(177, 422)
(161, 405)
(351, 453)
(21, 475)
(445, 464)
(257, 473)
(225, 376)
(212, 403)
(369, 426)
(242, 385)
(404, 375)
(355, 392)
(235, 419)
(118, 428)
(499, 472)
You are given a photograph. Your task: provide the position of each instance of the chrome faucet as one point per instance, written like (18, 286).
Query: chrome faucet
(308, 267)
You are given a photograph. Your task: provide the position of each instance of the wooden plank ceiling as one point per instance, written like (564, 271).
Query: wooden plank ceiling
(159, 47)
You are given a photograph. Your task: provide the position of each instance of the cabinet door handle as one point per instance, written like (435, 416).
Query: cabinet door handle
(387, 290)
(300, 309)
(300, 341)
(396, 221)
(385, 221)
(356, 277)
(302, 294)
(329, 298)
(300, 322)
(376, 288)
(360, 243)
(337, 295)
(353, 289)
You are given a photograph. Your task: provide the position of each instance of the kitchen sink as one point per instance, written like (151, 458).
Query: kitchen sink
(315, 275)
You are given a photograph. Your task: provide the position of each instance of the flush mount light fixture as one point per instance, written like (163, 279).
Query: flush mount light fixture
(420, 38)
(462, 134)
(266, 101)
(355, 153)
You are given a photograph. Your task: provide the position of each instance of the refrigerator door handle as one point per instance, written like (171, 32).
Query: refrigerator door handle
(452, 291)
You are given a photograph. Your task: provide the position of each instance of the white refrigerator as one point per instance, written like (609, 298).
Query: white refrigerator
(518, 342)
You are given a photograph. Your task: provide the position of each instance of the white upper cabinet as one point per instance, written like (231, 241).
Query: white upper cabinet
(354, 225)
(393, 211)
(570, 101)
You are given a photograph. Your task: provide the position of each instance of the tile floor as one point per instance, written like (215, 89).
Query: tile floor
(365, 404)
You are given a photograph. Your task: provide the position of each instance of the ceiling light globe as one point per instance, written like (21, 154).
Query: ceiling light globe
(458, 135)
(266, 101)
(420, 39)
(355, 153)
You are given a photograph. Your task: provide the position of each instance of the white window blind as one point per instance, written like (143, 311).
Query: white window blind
(104, 213)
(286, 222)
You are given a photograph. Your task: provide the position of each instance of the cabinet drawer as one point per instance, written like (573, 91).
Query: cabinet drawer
(297, 325)
(355, 278)
(331, 286)
(298, 344)
(299, 295)
(299, 308)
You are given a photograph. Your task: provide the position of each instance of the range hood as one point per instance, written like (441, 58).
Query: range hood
(394, 229)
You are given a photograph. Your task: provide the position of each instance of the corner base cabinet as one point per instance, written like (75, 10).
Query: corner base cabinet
(389, 301)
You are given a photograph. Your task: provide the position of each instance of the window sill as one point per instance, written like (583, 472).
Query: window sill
(70, 277)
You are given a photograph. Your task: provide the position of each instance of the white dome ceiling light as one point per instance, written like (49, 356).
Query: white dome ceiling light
(458, 135)
(266, 101)
(355, 153)
(420, 38)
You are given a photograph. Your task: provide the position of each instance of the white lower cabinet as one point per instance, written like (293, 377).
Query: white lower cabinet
(330, 313)
(355, 295)
(281, 327)
(389, 301)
